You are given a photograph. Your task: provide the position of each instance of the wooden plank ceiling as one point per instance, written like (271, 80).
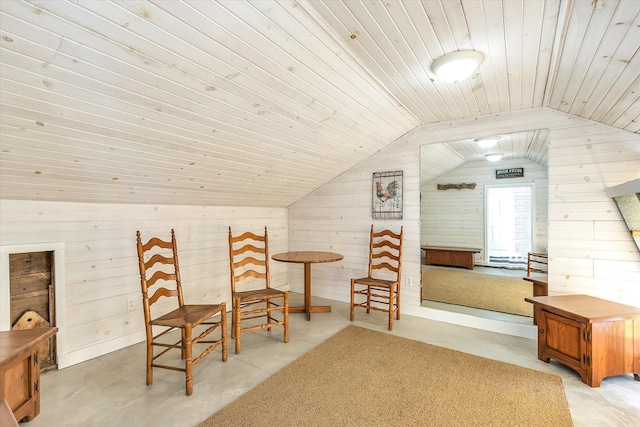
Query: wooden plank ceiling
(438, 159)
(259, 103)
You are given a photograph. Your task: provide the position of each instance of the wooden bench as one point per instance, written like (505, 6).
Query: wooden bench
(450, 256)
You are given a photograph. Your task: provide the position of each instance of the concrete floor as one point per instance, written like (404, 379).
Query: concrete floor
(111, 390)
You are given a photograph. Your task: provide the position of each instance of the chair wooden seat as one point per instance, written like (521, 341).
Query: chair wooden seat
(381, 293)
(380, 283)
(249, 259)
(187, 315)
(159, 279)
(259, 294)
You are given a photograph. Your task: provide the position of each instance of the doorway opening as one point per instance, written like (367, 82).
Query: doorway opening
(509, 217)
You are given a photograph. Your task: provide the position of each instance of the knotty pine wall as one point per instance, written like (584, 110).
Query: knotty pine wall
(456, 217)
(101, 264)
(591, 251)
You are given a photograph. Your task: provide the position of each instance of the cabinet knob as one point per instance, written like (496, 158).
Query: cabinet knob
(541, 331)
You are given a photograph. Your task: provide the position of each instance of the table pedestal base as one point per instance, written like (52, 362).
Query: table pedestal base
(313, 309)
(307, 258)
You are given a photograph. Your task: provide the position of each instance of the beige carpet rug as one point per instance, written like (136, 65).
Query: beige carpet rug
(487, 291)
(361, 377)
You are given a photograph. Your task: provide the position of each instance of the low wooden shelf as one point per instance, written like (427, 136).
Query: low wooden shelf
(20, 370)
(595, 337)
(450, 256)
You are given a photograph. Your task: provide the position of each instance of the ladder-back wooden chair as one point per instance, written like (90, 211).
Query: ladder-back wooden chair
(254, 298)
(381, 293)
(160, 277)
(537, 263)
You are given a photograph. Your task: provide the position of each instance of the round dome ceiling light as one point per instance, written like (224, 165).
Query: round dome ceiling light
(488, 141)
(457, 66)
(494, 157)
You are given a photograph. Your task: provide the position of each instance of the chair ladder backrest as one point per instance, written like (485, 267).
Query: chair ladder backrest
(157, 271)
(385, 252)
(537, 263)
(250, 253)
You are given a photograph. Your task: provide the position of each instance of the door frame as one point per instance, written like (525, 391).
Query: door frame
(487, 187)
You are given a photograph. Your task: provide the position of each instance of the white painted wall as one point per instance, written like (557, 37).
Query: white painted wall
(101, 265)
(590, 249)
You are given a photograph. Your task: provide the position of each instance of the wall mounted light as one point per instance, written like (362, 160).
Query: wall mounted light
(456, 66)
(488, 141)
(494, 157)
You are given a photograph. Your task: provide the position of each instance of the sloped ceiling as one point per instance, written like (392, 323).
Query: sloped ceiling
(441, 158)
(258, 103)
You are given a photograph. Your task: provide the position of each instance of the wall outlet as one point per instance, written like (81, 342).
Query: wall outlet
(409, 281)
(131, 304)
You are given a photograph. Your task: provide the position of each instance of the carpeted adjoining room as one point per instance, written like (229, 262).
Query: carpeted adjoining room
(110, 390)
(499, 290)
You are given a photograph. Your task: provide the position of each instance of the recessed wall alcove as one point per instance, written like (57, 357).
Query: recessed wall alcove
(59, 293)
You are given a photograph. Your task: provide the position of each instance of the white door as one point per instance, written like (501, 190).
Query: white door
(509, 223)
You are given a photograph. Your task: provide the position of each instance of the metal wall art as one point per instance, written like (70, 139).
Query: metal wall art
(387, 195)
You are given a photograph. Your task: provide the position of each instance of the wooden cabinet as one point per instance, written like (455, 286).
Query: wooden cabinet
(595, 337)
(20, 370)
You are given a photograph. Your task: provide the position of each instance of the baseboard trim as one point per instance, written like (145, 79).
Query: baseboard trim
(84, 354)
(491, 325)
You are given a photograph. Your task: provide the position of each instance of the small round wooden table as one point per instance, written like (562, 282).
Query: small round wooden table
(307, 258)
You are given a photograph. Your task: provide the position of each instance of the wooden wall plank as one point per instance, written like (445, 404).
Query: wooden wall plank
(456, 217)
(101, 262)
(576, 250)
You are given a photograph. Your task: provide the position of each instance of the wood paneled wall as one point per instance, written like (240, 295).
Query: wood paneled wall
(590, 249)
(456, 217)
(102, 267)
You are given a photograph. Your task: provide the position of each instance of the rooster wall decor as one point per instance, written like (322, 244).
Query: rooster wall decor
(387, 195)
